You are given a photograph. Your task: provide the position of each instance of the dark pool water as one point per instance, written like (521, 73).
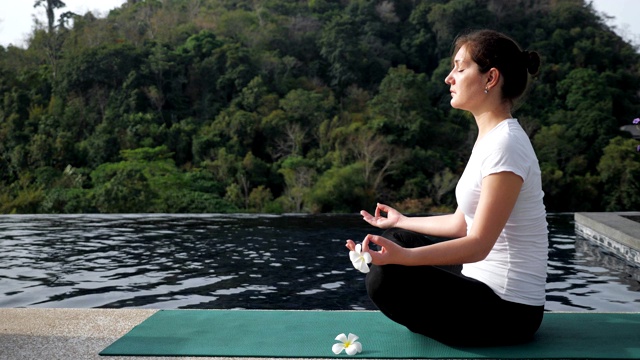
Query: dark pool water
(172, 261)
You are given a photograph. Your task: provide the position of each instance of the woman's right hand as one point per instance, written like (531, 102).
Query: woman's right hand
(377, 220)
(389, 253)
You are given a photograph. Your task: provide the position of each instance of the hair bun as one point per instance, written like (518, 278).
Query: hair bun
(532, 60)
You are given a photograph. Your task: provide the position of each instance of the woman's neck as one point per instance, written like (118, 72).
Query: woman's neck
(488, 120)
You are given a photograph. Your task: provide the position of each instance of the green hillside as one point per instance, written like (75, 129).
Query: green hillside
(190, 106)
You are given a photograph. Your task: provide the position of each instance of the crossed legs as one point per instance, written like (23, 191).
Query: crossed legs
(441, 303)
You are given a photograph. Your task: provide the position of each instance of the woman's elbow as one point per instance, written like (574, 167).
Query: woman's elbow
(478, 256)
(459, 225)
(482, 248)
(460, 232)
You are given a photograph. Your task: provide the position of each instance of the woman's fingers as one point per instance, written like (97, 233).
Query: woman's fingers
(378, 240)
(381, 242)
(351, 245)
(383, 208)
(365, 244)
(388, 253)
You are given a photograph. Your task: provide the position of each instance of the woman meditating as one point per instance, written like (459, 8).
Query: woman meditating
(498, 233)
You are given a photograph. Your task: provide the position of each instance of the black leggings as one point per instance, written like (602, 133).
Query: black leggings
(441, 303)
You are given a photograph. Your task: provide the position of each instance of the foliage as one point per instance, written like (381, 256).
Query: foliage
(619, 171)
(299, 106)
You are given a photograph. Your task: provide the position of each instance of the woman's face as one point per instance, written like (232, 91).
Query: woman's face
(466, 83)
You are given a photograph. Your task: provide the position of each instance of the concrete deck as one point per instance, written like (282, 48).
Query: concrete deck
(67, 334)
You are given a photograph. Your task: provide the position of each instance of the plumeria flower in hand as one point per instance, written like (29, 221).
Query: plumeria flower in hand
(360, 259)
(349, 344)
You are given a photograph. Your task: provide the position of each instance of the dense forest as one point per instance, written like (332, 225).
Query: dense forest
(214, 106)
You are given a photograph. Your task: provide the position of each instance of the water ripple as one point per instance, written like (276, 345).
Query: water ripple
(244, 261)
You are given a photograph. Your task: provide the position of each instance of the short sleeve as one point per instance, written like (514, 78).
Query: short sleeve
(508, 156)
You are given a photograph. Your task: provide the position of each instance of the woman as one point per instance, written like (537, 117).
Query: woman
(498, 232)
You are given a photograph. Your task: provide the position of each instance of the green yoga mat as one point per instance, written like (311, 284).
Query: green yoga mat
(310, 334)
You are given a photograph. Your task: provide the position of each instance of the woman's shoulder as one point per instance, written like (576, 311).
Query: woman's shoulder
(508, 134)
(509, 142)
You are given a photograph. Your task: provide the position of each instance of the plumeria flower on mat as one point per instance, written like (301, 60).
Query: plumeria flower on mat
(348, 344)
(360, 259)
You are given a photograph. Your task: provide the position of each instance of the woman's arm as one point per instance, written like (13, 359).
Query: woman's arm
(497, 199)
(447, 226)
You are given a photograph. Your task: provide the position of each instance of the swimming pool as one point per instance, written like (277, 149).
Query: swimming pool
(245, 261)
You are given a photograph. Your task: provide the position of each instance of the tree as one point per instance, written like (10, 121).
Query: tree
(292, 130)
(22, 197)
(260, 198)
(399, 110)
(359, 47)
(619, 170)
(50, 6)
(340, 190)
(322, 105)
(124, 189)
(299, 177)
(344, 55)
(590, 112)
(377, 157)
(420, 42)
(450, 18)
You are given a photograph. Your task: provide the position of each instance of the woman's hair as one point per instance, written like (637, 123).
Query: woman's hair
(492, 49)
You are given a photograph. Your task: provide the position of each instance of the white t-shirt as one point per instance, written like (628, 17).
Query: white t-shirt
(516, 267)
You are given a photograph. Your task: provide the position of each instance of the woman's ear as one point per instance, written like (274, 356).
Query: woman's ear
(493, 78)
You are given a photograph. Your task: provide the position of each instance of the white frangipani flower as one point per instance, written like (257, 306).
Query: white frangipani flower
(348, 344)
(360, 259)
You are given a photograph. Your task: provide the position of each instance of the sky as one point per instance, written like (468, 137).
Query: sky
(16, 16)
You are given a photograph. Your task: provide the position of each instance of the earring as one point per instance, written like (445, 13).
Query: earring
(486, 90)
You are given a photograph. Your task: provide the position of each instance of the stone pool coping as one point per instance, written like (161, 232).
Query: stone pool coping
(612, 231)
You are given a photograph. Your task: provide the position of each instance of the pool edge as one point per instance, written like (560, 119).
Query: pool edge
(613, 231)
